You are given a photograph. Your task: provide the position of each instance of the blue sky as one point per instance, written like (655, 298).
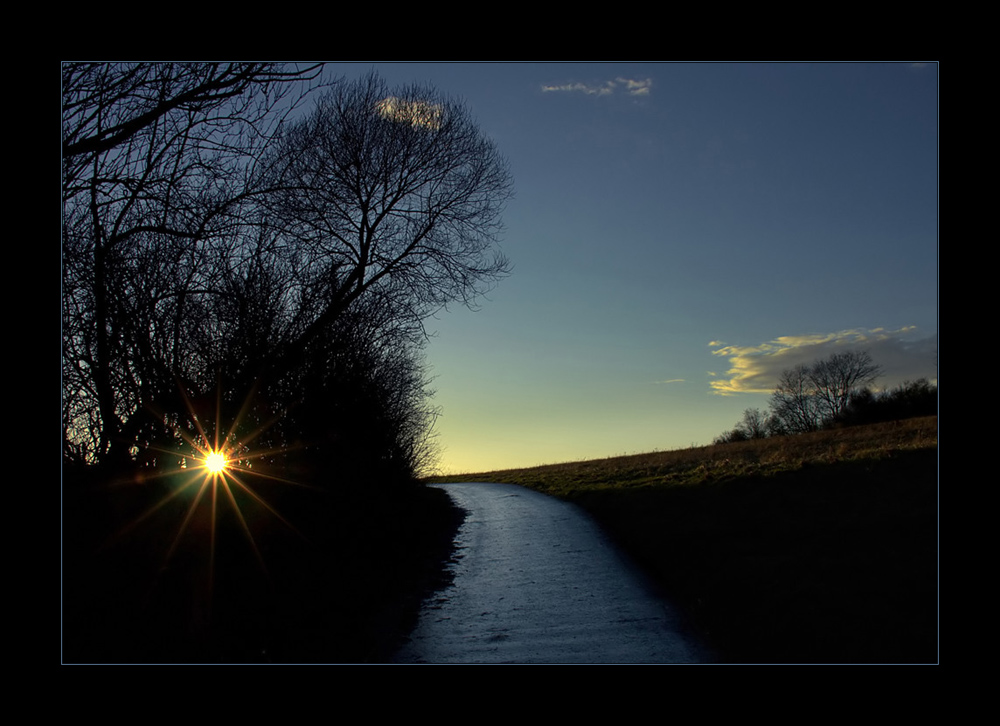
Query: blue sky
(680, 234)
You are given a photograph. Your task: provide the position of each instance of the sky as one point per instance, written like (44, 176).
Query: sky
(680, 234)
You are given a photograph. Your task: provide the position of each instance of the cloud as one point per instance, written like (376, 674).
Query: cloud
(415, 113)
(590, 90)
(629, 86)
(756, 369)
(637, 88)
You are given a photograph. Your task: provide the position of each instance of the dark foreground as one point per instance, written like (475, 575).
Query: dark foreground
(831, 564)
(776, 552)
(343, 586)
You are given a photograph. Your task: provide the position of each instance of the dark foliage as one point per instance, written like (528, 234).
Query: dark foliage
(160, 164)
(908, 400)
(229, 272)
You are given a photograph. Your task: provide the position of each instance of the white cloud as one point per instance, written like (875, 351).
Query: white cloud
(633, 87)
(637, 88)
(756, 369)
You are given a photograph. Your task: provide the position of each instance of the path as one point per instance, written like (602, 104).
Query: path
(536, 581)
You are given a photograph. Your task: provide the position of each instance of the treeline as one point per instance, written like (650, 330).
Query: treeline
(248, 259)
(835, 391)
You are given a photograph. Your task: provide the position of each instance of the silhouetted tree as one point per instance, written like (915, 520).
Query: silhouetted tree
(835, 378)
(809, 397)
(157, 160)
(212, 253)
(907, 400)
(915, 398)
(361, 410)
(755, 423)
(794, 402)
(108, 105)
(396, 193)
(386, 207)
(730, 437)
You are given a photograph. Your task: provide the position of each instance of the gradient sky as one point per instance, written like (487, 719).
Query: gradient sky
(680, 234)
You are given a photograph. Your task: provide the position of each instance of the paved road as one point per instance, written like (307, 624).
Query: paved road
(537, 581)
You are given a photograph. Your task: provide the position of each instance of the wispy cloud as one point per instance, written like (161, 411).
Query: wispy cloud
(637, 87)
(630, 86)
(756, 369)
(590, 90)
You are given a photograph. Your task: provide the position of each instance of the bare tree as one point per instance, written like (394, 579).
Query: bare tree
(387, 206)
(755, 423)
(807, 397)
(834, 379)
(106, 105)
(157, 159)
(794, 403)
(390, 193)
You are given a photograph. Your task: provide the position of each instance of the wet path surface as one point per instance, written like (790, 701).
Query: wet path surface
(536, 581)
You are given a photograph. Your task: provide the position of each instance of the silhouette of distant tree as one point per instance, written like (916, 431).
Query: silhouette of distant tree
(809, 397)
(836, 377)
(755, 423)
(907, 400)
(794, 403)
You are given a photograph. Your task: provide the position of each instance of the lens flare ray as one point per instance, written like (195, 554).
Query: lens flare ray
(207, 457)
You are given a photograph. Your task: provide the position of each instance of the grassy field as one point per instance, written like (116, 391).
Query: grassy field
(819, 547)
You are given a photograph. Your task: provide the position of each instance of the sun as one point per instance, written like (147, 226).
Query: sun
(215, 462)
(219, 469)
